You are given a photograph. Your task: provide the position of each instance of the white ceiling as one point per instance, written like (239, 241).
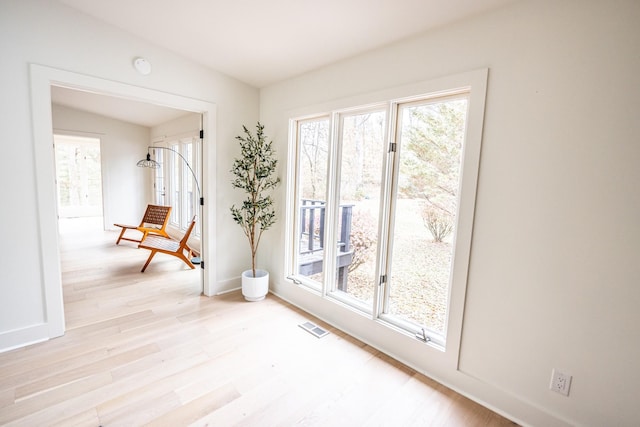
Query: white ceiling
(261, 42)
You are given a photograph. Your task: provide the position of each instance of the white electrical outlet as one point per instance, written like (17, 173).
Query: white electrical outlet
(560, 382)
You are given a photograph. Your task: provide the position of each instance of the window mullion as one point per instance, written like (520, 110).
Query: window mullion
(383, 254)
(332, 206)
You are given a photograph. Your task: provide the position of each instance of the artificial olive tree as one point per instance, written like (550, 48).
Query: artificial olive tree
(254, 173)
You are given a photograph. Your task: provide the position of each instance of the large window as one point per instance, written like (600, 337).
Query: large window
(375, 197)
(174, 184)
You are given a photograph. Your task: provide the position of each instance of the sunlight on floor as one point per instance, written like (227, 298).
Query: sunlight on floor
(80, 224)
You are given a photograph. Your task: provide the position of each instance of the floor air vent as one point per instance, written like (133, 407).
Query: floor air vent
(314, 329)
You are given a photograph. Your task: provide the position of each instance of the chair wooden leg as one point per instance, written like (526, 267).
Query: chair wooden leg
(120, 236)
(148, 261)
(186, 261)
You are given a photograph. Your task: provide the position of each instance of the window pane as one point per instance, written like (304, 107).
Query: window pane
(430, 147)
(313, 148)
(188, 179)
(362, 143)
(196, 166)
(175, 185)
(159, 185)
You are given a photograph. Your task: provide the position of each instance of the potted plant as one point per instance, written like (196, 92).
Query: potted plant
(254, 173)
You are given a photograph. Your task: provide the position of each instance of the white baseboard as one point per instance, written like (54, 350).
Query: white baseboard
(10, 340)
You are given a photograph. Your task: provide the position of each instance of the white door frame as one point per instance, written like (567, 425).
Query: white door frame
(42, 78)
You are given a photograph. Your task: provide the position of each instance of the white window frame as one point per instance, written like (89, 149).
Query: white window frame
(336, 158)
(474, 83)
(294, 242)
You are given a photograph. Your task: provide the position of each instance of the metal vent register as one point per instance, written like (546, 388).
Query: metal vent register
(314, 329)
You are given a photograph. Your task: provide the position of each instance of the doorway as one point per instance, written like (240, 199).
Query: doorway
(78, 176)
(42, 79)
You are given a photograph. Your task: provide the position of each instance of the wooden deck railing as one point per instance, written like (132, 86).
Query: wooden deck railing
(312, 234)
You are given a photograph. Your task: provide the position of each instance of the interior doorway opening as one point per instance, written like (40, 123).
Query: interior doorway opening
(96, 189)
(42, 80)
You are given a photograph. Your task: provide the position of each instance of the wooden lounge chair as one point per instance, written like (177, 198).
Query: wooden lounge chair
(154, 221)
(169, 246)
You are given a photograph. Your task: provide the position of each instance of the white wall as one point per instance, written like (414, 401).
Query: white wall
(554, 274)
(125, 187)
(52, 35)
(189, 123)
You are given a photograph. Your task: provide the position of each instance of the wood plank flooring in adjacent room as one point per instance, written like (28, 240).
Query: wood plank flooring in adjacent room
(148, 349)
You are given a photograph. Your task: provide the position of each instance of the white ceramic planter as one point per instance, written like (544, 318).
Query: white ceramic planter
(255, 288)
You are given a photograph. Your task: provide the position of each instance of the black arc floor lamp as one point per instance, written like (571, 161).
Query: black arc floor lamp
(148, 162)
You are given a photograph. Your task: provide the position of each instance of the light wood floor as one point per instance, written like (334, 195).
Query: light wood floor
(146, 348)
